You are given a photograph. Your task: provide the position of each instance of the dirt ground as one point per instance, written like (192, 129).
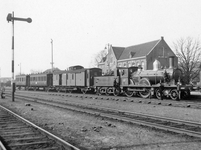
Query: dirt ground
(96, 133)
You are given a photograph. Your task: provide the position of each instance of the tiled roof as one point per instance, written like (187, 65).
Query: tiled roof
(118, 51)
(137, 50)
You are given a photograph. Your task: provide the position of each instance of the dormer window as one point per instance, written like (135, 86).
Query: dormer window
(132, 54)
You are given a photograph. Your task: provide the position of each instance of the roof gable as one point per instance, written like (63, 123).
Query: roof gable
(118, 51)
(138, 50)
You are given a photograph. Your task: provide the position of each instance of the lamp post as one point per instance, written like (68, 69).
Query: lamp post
(11, 18)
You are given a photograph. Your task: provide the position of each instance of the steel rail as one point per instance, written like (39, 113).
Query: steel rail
(143, 114)
(117, 115)
(66, 145)
(152, 101)
(2, 147)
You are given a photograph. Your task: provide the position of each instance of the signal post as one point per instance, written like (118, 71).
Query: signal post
(11, 18)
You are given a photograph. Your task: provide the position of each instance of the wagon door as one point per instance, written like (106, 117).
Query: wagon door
(64, 79)
(60, 79)
(80, 78)
(49, 80)
(27, 81)
(88, 78)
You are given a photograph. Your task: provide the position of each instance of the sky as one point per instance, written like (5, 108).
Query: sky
(82, 28)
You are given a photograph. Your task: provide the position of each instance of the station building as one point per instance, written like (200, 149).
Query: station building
(139, 55)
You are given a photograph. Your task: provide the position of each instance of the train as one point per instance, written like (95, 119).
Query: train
(159, 82)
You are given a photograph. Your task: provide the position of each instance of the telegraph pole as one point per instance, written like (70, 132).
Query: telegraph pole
(0, 78)
(20, 67)
(11, 18)
(52, 54)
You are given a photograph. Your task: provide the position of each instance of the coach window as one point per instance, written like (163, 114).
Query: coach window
(72, 76)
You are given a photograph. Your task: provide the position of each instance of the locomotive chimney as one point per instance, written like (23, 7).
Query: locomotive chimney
(171, 62)
(156, 65)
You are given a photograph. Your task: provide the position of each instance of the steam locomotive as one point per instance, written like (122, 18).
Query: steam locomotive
(123, 80)
(145, 83)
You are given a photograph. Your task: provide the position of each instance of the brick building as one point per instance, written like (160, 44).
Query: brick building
(139, 55)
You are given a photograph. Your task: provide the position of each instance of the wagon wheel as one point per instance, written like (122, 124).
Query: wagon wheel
(146, 93)
(70, 90)
(99, 91)
(129, 93)
(174, 94)
(84, 91)
(46, 89)
(107, 91)
(116, 91)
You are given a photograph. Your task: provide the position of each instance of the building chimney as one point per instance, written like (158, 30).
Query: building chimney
(162, 38)
(171, 62)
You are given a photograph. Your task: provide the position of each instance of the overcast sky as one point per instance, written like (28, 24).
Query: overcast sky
(81, 28)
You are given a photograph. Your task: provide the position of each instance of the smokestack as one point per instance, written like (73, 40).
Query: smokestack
(171, 62)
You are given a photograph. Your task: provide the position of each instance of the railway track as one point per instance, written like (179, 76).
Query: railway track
(162, 123)
(192, 102)
(17, 133)
(184, 103)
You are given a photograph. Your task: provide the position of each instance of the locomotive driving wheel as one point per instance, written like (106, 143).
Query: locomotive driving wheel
(146, 92)
(107, 91)
(116, 91)
(158, 94)
(129, 93)
(174, 94)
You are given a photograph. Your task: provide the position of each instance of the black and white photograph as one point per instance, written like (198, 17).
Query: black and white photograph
(100, 75)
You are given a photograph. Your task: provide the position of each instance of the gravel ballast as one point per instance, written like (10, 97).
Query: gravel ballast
(90, 132)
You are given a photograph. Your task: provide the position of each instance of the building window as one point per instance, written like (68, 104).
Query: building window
(125, 64)
(129, 63)
(143, 65)
(138, 63)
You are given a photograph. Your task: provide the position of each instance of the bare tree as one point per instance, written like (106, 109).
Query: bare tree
(99, 57)
(188, 51)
